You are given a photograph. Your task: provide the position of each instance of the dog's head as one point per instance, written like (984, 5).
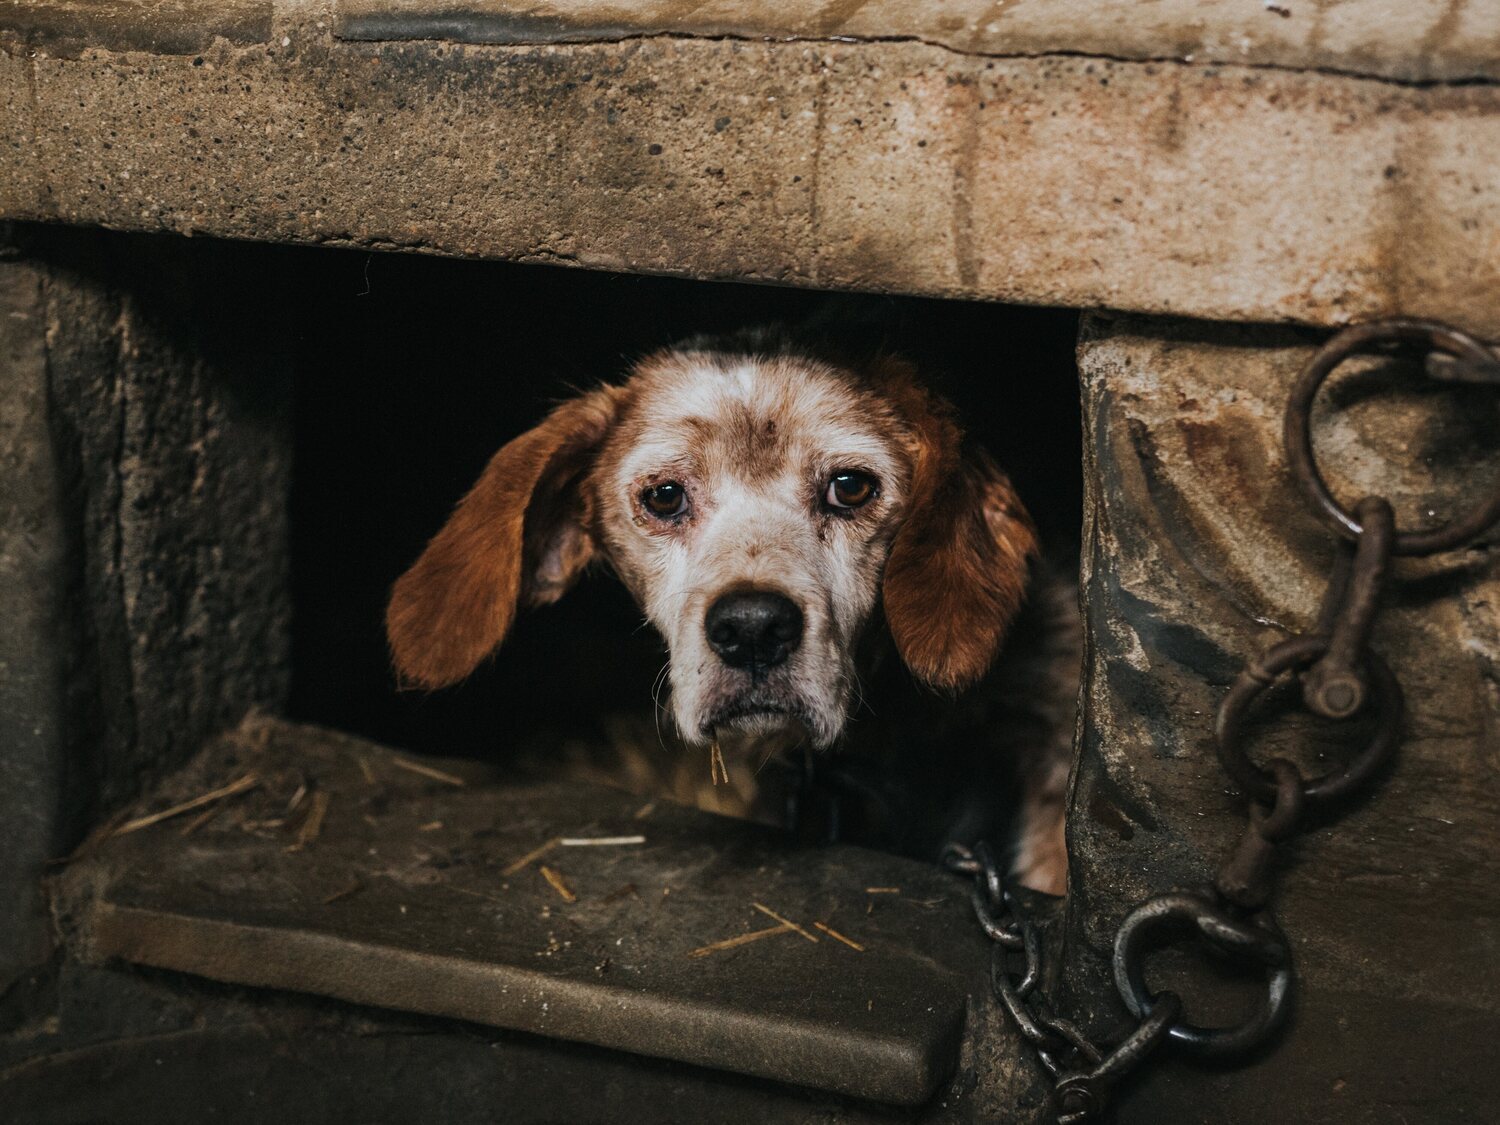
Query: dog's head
(758, 506)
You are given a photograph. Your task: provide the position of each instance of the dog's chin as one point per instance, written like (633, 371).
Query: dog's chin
(757, 722)
(759, 714)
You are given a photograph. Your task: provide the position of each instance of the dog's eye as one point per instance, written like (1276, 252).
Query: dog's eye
(665, 500)
(850, 489)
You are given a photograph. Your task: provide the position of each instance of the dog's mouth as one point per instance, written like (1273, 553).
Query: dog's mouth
(755, 708)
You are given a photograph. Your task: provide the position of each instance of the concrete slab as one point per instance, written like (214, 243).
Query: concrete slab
(1216, 161)
(405, 895)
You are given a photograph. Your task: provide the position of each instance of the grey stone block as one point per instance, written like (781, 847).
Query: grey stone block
(1199, 553)
(142, 536)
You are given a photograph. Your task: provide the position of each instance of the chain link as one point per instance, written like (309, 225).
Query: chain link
(1341, 679)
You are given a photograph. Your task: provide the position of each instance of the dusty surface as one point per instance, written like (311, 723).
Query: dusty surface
(139, 1047)
(1233, 186)
(344, 870)
(1198, 555)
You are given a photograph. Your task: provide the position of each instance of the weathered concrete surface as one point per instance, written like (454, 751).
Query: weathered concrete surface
(1198, 554)
(1222, 190)
(343, 873)
(142, 541)
(162, 432)
(38, 640)
(167, 26)
(139, 1047)
(1429, 40)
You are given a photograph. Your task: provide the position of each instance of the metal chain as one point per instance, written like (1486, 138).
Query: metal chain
(1341, 679)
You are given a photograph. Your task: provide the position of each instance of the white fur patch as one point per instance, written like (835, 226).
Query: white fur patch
(754, 442)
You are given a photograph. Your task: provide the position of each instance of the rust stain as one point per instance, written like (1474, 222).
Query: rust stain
(966, 260)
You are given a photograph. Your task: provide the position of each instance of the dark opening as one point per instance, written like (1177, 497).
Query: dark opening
(413, 371)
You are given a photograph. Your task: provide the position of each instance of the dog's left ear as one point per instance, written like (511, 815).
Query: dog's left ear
(958, 567)
(521, 535)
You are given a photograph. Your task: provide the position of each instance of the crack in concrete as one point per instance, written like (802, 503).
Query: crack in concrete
(418, 29)
(1208, 63)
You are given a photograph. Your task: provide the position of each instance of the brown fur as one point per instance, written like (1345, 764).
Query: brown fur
(455, 605)
(958, 568)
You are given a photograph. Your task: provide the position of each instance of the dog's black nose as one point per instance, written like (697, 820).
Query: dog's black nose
(755, 630)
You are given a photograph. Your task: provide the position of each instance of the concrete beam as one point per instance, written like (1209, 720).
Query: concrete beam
(1278, 189)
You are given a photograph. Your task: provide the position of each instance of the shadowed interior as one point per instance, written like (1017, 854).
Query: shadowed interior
(420, 369)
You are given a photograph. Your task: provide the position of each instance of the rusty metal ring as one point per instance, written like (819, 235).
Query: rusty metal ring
(1261, 784)
(1160, 920)
(1298, 430)
(1284, 817)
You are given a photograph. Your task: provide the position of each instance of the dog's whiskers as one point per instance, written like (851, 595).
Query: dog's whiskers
(770, 753)
(859, 694)
(656, 706)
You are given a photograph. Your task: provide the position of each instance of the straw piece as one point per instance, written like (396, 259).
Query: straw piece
(199, 821)
(312, 826)
(882, 890)
(249, 781)
(716, 768)
(769, 913)
(428, 771)
(836, 936)
(366, 769)
(600, 841)
(529, 858)
(645, 810)
(743, 939)
(558, 883)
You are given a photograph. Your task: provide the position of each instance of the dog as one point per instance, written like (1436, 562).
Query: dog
(784, 518)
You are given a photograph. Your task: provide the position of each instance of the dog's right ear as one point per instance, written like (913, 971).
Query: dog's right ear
(523, 531)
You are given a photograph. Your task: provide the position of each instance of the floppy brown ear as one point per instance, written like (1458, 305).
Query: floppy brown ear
(957, 571)
(521, 532)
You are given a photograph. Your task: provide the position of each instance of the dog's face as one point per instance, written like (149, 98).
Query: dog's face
(749, 505)
(759, 508)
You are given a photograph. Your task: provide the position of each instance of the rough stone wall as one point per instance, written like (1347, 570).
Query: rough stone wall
(1198, 555)
(177, 408)
(146, 435)
(37, 607)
